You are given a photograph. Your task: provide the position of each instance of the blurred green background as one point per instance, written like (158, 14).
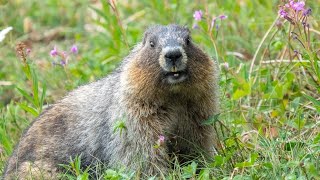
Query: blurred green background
(273, 106)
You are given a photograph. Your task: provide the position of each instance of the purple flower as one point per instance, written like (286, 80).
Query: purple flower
(195, 26)
(63, 62)
(307, 12)
(298, 6)
(283, 13)
(291, 3)
(161, 139)
(197, 15)
(222, 17)
(28, 51)
(54, 51)
(74, 49)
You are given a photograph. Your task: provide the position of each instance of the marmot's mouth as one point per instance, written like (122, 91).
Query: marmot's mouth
(176, 77)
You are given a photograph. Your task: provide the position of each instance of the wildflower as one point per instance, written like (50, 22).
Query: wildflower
(298, 6)
(307, 12)
(28, 51)
(63, 62)
(283, 13)
(161, 140)
(195, 26)
(54, 52)
(222, 17)
(225, 66)
(197, 15)
(74, 49)
(291, 3)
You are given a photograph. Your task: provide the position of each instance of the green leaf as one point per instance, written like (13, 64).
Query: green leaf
(44, 90)
(190, 170)
(314, 101)
(218, 161)
(27, 70)
(29, 109)
(25, 94)
(35, 89)
(289, 146)
(204, 174)
(316, 140)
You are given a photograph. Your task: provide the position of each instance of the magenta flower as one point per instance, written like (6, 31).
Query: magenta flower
(291, 3)
(222, 17)
(54, 51)
(161, 139)
(298, 6)
(307, 12)
(282, 13)
(197, 15)
(28, 51)
(74, 49)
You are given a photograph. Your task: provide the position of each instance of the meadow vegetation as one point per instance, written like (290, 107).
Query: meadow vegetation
(268, 52)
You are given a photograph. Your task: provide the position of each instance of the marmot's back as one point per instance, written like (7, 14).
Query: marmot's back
(161, 93)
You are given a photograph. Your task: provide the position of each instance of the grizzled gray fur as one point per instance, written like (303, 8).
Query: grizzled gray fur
(166, 86)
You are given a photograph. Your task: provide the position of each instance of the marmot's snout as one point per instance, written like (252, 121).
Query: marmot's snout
(173, 59)
(174, 64)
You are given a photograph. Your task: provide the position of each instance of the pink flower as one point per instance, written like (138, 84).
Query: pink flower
(28, 51)
(298, 6)
(197, 15)
(74, 49)
(282, 13)
(54, 51)
(222, 17)
(161, 139)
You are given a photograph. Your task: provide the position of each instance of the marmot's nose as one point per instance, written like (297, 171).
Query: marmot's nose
(172, 56)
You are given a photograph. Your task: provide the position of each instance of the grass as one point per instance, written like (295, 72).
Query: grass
(270, 99)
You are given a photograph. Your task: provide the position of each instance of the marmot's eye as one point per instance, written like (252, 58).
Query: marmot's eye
(188, 40)
(151, 43)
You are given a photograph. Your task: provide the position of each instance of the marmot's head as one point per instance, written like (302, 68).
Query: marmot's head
(168, 57)
(169, 44)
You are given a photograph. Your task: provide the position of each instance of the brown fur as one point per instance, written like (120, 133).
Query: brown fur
(83, 122)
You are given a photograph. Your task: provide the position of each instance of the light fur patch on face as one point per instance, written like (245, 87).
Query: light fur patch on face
(162, 59)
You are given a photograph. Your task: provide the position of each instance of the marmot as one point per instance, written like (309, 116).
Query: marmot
(166, 87)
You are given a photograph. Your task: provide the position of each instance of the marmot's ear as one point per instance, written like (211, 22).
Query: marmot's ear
(145, 37)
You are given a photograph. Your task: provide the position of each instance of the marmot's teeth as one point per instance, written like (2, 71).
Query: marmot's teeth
(174, 69)
(176, 74)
